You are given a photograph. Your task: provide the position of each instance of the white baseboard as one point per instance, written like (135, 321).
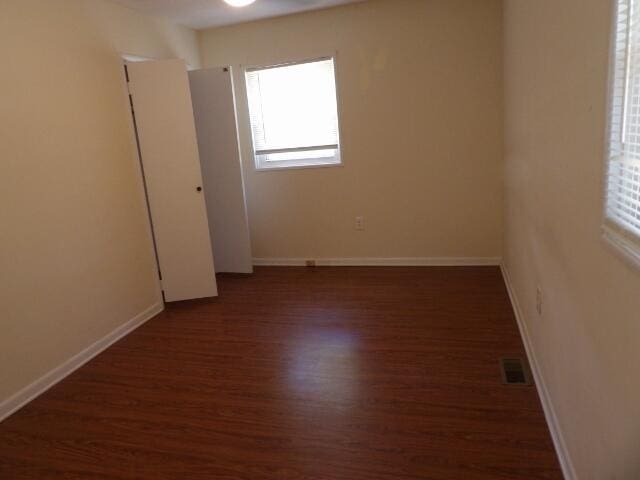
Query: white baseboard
(24, 396)
(381, 262)
(560, 445)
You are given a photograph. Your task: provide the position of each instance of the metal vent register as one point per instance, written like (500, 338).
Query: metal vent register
(515, 371)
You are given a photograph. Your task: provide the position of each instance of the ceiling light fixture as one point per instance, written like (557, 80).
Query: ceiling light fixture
(239, 3)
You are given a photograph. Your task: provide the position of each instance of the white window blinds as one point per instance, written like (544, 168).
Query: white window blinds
(294, 115)
(623, 180)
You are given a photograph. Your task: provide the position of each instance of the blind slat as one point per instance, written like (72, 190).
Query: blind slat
(298, 149)
(293, 107)
(623, 176)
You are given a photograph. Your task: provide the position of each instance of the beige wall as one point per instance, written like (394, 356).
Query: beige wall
(75, 256)
(587, 338)
(421, 119)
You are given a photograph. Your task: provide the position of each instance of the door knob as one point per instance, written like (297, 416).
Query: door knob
(199, 189)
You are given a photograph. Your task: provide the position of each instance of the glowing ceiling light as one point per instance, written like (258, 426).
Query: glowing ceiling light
(239, 3)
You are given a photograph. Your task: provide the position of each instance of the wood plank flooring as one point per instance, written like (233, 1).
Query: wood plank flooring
(294, 373)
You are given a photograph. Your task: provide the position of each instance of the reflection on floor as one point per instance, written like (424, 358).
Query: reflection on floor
(294, 373)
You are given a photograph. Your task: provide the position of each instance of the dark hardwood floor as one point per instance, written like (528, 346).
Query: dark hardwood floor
(294, 373)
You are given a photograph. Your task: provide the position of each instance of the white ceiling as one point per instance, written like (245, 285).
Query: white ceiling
(200, 14)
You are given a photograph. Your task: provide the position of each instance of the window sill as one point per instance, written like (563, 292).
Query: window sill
(622, 247)
(297, 165)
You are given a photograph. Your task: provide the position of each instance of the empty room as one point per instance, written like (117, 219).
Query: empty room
(320, 239)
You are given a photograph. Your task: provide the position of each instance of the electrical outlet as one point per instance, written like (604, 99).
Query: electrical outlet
(310, 263)
(539, 300)
(359, 223)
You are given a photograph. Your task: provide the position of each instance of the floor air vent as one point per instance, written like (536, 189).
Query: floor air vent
(515, 371)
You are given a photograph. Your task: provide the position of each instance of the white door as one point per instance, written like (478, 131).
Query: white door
(215, 115)
(169, 152)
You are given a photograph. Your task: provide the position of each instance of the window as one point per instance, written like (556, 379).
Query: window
(622, 223)
(294, 115)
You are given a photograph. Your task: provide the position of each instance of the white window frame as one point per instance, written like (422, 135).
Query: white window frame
(625, 243)
(302, 163)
